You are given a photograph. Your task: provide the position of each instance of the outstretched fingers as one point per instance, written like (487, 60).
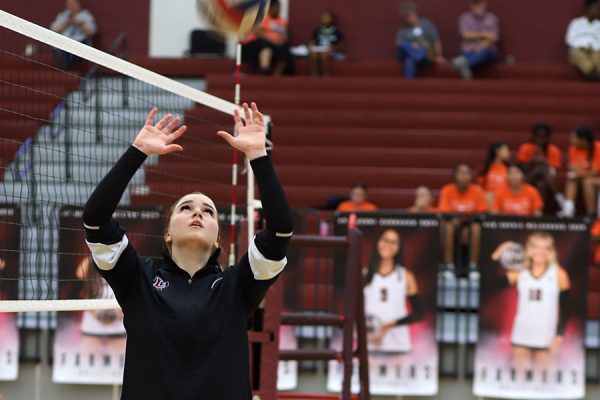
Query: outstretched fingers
(172, 125)
(151, 115)
(237, 119)
(247, 114)
(227, 136)
(161, 124)
(258, 117)
(177, 134)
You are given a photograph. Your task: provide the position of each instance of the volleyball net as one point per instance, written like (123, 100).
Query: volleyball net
(67, 113)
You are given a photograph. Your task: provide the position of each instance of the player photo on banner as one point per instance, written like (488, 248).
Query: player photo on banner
(89, 346)
(400, 257)
(532, 309)
(10, 222)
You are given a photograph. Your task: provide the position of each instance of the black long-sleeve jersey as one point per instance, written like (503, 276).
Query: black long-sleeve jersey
(186, 335)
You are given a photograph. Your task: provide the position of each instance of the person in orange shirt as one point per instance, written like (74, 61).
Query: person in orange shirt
(462, 197)
(541, 160)
(358, 200)
(518, 197)
(595, 236)
(584, 165)
(495, 170)
(267, 46)
(423, 201)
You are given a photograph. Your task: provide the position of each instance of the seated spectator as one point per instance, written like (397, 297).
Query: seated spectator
(418, 42)
(517, 197)
(495, 170)
(480, 33)
(358, 200)
(584, 165)
(583, 39)
(75, 23)
(423, 201)
(595, 236)
(541, 160)
(326, 44)
(462, 197)
(267, 48)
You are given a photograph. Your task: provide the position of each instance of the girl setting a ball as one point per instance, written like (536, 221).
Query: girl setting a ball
(185, 316)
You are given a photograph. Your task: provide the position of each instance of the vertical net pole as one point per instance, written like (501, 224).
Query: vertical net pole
(234, 166)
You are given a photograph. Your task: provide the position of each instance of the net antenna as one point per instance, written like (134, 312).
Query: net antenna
(58, 41)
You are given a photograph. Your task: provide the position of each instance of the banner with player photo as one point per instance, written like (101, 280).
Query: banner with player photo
(89, 346)
(401, 255)
(10, 222)
(532, 309)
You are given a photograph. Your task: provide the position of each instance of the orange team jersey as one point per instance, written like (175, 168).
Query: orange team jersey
(273, 29)
(469, 201)
(495, 178)
(525, 202)
(527, 151)
(580, 157)
(348, 206)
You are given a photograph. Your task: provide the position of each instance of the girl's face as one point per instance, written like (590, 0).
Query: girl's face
(515, 176)
(539, 250)
(577, 141)
(503, 153)
(326, 19)
(193, 222)
(388, 245)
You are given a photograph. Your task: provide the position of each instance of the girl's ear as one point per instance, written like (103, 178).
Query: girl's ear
(167, 237)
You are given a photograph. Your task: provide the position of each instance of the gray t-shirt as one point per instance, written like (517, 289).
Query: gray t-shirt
(74, 31)
(424, 33)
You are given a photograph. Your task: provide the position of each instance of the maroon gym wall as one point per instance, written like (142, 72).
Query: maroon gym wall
(112, 17)
(533, 30)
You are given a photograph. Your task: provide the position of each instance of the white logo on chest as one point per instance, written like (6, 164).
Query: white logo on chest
(159, 283)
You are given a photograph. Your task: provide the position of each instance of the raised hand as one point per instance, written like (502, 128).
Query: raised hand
(159, 138)
(251, 135)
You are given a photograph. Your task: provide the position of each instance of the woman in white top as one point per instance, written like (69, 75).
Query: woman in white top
(388, 287)
(583, 39)
(542, 307)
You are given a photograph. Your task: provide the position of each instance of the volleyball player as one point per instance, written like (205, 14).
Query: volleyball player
(388, 287)
(542, 308)
(185, 316)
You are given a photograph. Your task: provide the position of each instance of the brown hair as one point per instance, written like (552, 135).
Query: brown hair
(166, 245)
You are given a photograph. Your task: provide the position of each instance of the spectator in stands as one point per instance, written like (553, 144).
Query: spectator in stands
(595, 236)
(517, 197)
(423, 201)
(583, 39)
(541, 160)
(358, 200)
(267, 47)
(326, 44)
(584, 165)
(495, 170)
(480, 32)
(418, 42)
(76, 23)
(462, 197)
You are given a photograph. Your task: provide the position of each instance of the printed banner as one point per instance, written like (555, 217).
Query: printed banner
(89, 346)
(401, 257)
(532, 309)
(10, 223)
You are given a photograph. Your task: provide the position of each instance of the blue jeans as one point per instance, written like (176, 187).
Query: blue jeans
(413, 58)
(488, 55)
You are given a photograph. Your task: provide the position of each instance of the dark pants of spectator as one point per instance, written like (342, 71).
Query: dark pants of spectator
(65, 60)
(489, 55)
(281, 53)
(413, 57)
